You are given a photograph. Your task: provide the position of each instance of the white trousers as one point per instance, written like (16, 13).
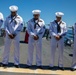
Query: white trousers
(54, 44)
(7, 50)
(38, 46)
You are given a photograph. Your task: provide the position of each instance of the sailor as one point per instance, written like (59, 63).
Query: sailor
(35, 30)
(57, 32)
(1, 21)
(74, 50)
(13, 25)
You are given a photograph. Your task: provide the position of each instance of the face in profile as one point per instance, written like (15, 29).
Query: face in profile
(36, 16)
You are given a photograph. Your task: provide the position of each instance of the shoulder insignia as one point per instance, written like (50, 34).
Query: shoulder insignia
(40, 20)
(18, 17)
(62, 22)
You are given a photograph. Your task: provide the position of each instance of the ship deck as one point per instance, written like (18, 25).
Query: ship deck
(45, 60)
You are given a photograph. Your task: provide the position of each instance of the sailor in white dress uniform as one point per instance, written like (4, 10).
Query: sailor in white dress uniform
(57, 32)
(74, 50)
(13, 25)
(36, 30)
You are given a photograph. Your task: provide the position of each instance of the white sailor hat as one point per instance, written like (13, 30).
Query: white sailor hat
(1, 16)
(59, 14)
(36, 11)
(13, 8)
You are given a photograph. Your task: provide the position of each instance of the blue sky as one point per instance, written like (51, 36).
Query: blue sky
(48, 8)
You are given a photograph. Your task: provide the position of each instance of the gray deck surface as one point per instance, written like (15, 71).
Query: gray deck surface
(45, 55)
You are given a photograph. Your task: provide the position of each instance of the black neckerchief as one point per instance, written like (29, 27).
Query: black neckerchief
(12, 19)
(36, 23)
(58, 26)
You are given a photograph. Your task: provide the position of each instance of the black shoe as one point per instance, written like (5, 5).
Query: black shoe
(4, 65)
(17, 66)
(39, 67)
(61, 68)
(51, 68)
(27, 66)
(72, 69)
